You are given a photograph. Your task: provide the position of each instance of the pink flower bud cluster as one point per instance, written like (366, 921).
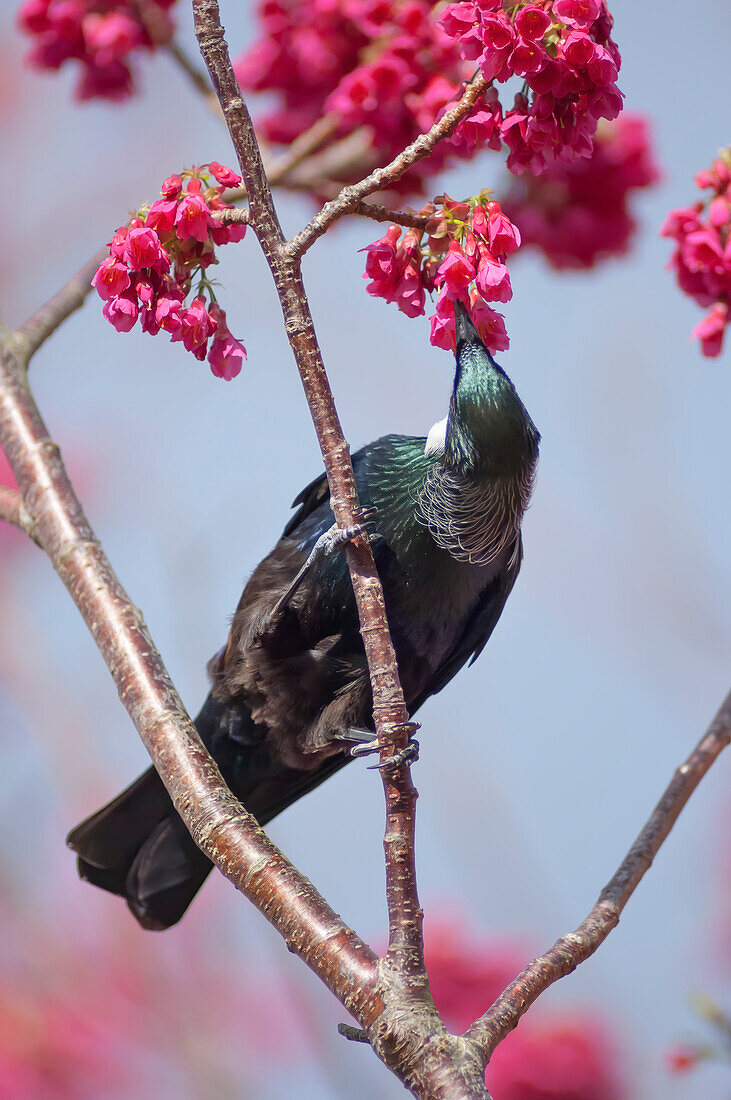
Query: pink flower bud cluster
(460, 254)
(702, 258)
(379, 65)
(102, 35)
(157, 258)
(577, 213)
(563, 51)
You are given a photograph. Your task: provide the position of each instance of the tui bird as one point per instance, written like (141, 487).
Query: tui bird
(290, 701)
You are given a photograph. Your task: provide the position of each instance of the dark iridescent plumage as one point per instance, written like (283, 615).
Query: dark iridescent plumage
(288, 687)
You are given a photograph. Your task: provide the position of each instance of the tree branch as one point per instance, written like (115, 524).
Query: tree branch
(12, 510)
(46, 320)
(409, 1032)
(219, 824)
(382, 178)
(575, 947)
(378, 213)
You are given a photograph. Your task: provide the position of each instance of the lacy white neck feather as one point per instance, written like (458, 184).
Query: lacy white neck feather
(474, 519)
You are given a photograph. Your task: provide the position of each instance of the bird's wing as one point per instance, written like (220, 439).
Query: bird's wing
(318, 491)
(478, 629)
(311, 497)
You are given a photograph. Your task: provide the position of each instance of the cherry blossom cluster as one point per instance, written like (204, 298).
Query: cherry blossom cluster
(577, 213)
(161, 257)
(381, 66)
(563, 51)
(702, 258)
(460, 254)
(102, 35)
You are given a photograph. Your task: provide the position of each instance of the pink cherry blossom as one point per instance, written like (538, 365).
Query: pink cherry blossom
(577, 13)
(146, 279)
(383, 265)
(442, 323)
(122, 311)
(504, 236)
(143, 249)
(577, 212)
(193, 218)
(455, 270)
(161, 215)
(111, 279)
(196, 325)
(493, 281)
(711, 329)
(224, 176)
(702, 256)
(462, 258)
(171, 187)
(532, 22)
(98, 37)
(226, 353)
(409, 293)
(489, 324)
(111, 36)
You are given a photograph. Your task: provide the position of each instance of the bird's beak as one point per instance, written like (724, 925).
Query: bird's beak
(465, 330)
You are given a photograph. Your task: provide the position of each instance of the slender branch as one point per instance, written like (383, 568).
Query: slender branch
(232, 217)
(302, 147)
(12, 510)
(575, 947)
(390, 712)
(219, 824)
(382, 178)
(10, 504)
(402, 975)
(378, 213)
(69, 298)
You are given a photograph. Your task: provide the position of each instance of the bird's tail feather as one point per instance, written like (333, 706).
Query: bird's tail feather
(138, 847)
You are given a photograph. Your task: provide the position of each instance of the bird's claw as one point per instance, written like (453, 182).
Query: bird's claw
(337, 537)
(367, 745)
(407, 755)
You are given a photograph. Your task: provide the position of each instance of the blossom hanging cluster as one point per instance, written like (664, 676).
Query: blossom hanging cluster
(102, 35)
(460, 254)
(564, 52)
(383, 66)
(702, 258)
(577, 212)
(161, 257)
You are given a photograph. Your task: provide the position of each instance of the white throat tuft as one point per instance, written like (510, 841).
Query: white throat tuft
(436, 441)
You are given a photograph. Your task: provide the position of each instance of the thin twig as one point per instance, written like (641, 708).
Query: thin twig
(383, 178)
(10, 505)
(12, 510)
(218, 822)
(575, 947)
(232, 217)
(46, 320)
(302, 147)
(378, 213)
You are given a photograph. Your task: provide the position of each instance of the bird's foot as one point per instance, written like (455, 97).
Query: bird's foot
(336, 538)
(366, 744)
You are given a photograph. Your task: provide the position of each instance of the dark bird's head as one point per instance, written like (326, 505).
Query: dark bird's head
(488, 430)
